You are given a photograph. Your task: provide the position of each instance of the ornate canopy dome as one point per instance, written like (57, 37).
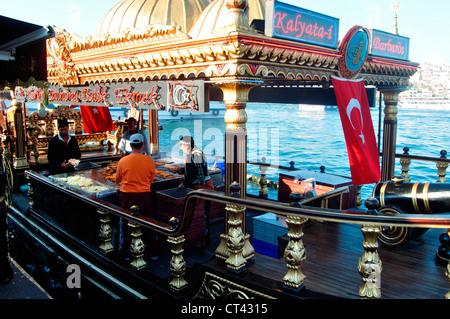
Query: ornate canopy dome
(141, 13)
(212, 17)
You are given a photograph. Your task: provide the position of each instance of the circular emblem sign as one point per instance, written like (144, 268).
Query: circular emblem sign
(354, 51)
(42, 113)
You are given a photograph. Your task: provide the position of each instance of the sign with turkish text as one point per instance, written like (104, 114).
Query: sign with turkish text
(358, 129)
(389, 45)
(298, 24)
(161, 95)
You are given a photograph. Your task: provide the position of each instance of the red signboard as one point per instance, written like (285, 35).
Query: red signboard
(161, 95)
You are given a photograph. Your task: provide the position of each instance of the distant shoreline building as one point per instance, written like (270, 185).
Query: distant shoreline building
(430, 81)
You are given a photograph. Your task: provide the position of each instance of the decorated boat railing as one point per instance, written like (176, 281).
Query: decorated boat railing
(405, 160)
(235, 249)
(441, 164)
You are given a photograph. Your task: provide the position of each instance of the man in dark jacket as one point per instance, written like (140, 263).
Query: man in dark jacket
(61, 149)
(195, 169)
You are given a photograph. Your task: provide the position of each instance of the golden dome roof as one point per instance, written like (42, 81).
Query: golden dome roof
(139, 14)
(212, 17)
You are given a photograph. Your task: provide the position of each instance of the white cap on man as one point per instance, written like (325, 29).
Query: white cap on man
(136, 138)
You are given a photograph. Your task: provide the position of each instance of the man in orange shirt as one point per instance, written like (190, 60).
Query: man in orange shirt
(135, 173)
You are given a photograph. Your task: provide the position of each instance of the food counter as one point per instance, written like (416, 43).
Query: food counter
(91, 183)
(98, 183)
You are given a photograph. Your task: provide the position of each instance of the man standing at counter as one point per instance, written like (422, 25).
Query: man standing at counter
(135, 174)
(195, 168)
(63, 150)
(124, 144)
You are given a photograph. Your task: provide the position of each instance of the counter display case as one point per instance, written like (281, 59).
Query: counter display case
(90, 183)
(294, 181)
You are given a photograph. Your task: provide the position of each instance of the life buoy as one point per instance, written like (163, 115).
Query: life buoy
(174, 113)
(215, 112)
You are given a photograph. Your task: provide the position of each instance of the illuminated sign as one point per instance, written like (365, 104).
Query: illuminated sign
(297, 24)
(161, 95)
(389, 45)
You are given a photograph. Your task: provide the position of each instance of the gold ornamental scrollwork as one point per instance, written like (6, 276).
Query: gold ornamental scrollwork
(252, 69)
(228, 69)
(63, 66)
(215, 287)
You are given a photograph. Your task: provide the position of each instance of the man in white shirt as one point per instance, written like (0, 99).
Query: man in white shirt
(124, 144)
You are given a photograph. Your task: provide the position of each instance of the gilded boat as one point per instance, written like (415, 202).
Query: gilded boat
(219, 52)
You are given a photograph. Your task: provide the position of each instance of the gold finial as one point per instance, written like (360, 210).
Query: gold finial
(395, 7)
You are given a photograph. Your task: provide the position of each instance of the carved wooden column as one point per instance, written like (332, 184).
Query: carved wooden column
(153, 132)
(389, 131)
(20, 159)
(235, 92)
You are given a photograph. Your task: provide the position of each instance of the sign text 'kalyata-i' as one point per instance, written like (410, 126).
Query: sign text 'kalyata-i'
(298, 24)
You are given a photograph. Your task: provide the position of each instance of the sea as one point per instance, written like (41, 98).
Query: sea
(284, 133)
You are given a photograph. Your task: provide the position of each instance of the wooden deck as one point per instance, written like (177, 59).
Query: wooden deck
(332, 254)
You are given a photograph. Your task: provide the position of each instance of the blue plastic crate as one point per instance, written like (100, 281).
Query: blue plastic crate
(268, 228)
(264, 248)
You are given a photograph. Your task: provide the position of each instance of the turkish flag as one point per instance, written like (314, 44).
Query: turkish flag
(96, 119)
(359, 134)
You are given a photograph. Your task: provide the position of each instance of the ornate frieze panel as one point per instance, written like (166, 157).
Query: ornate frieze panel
(165, 52)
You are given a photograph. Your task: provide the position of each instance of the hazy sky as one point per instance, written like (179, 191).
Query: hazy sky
(426, 23)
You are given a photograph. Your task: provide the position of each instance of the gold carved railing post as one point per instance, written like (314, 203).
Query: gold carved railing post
(405, 162)
(137, 245)
(369, 265)
(105, 232)
(177, 263)
(442, 168)
(6, 165)
(295, 253)
(263, 190)
(236, 262)
(235, 93)
(153, 132)
(30, 193)
(447, 274)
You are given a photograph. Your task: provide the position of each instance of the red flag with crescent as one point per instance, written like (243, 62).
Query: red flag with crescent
(358, 129)
(96, 119)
